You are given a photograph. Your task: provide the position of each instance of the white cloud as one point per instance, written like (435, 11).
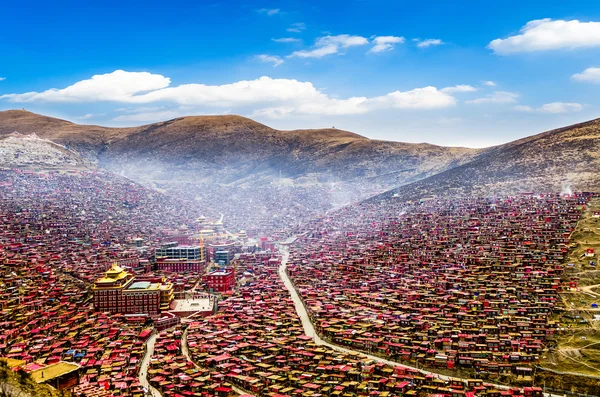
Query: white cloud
(489, 83)
(524, 108)
(274, 59)
(459, 88)
(318, 52)
(560, 107)
(2, 78)
(297, 27)
(546, 34)
(385, 43)
(496, 97)
(265, 96)
(269, 11)
(87, 116)
(342, 40)
(553, 108)
(429, 43)
(590, 75)
(418, 98)
(287, 40)
(119, 86)
(329, 45)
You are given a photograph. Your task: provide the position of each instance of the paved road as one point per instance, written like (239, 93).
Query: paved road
(144, 368)
(309, 329)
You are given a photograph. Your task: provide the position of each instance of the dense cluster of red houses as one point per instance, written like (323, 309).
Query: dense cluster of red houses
(269, 209)
(466, 283)
(257, 344)
(58, 233)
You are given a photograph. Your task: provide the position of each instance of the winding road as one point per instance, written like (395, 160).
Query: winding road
(309, 329)
(143, 374)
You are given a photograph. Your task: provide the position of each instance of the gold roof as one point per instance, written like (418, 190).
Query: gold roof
(115, 273)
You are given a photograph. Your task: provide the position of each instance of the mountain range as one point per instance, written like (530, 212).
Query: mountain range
(232, 164)
(230, 149)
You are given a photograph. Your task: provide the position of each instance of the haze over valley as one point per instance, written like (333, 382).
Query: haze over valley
(300, 199)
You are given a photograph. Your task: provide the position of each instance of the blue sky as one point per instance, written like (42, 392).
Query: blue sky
(474, 73)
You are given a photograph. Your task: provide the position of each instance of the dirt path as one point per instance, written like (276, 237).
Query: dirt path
(589, 288)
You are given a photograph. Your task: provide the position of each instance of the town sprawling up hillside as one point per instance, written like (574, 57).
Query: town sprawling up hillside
(216, 256)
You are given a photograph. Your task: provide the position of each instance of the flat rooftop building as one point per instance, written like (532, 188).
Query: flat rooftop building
(180, 252)
(220, 280)
(61, 375)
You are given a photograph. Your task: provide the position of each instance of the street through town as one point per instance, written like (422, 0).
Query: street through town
(309, 329)
(143, 374)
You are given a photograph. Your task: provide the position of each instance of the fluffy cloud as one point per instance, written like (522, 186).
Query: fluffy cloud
(318, 52)
(274, 59)
(546, 34)
(329, 45)
(489, 83)
(287, 40)
(590, 75)
(385, 43)
(2, 78)
(268, 97)
(496, 97)
(297, 27)
(560, 107)
(118, 86)
(459, 88)
(269, 11)
(418, 98)
(554, 108)
(429, 43)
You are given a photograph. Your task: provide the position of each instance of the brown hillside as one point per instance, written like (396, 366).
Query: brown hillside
(559, 159)
(229, 148)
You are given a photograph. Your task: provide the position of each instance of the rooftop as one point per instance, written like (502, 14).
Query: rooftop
(219, 273)
(143, 286)
(140, 285)
(53, 371)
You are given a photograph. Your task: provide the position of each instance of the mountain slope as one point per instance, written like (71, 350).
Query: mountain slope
(226, 149)
(30, 151)
(556, 160)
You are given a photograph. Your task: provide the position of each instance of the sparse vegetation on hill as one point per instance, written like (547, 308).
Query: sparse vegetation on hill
(576, 348)
(557, 160)
(235, 147)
